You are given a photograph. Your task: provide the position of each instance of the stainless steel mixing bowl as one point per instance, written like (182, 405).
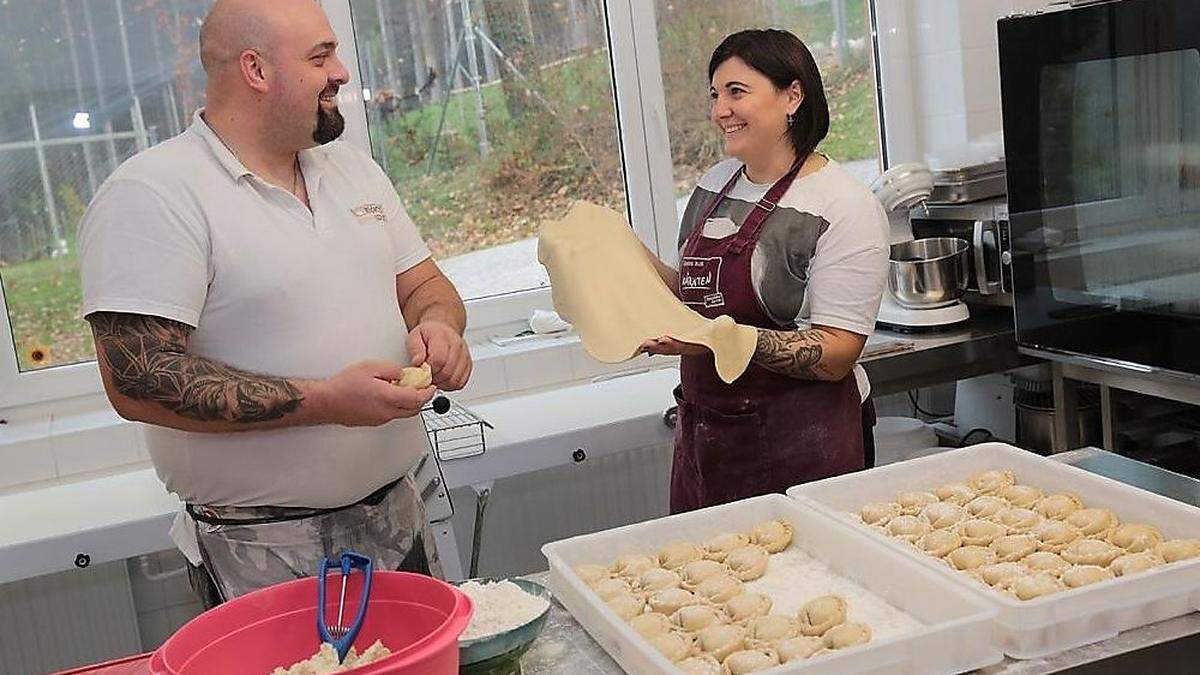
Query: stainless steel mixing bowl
(928, 273)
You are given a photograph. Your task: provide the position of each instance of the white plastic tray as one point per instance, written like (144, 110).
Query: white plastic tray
(956, 634)
(1047, 625)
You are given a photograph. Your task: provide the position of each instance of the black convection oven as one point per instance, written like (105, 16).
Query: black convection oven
(1101, 107)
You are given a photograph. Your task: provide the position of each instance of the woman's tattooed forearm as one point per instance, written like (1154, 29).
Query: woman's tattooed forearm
(795, 353)
(147, 359)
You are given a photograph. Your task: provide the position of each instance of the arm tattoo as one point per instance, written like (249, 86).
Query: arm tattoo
(147, 358)
(794, 353)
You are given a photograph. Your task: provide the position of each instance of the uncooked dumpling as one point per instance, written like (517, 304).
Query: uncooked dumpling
(940, 514)
(602, 282)
(1000, 574)
(970, 557)
(908, 528)
(631, 565)
(911, 503)
(847, 635)
(746, 606)
(986, 506)
(651, 624)
(750, 661)
(979, 532)
(766, 631)
(938, 543)
(676, 555)
(697, 571)
(669, 600)
(991, 482)
(1021, 496)
(1091, 552)
(607, 588)
(703, 664)
(1134, 537)
(658, 578)
(716, 548)
(1014, 547)
(1059, 506)
(1082, 575)
(676, 646)
(879, 513)
(1055, 535)
(722, 640)
(1045, 561)
(1019, 520)
(820, 614)
(773, 535)
(1035, 585)
(696, 617)
(1094, 522)
(955, 493)
(627, 604)
(592, 574)
(719, 588)
(1175, 550)
(799, 648)
(1132, 563)
(417, 378)
(748, 562)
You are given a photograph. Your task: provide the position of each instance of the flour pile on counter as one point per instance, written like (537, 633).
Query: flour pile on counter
(1020, 540)
(326, 660)
(740, 602)
(499, 607)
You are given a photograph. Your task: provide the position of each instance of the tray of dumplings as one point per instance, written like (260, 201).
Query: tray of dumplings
(1066, 556)
(765, 584)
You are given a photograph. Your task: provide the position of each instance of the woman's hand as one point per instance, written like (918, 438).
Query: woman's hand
(671, 347)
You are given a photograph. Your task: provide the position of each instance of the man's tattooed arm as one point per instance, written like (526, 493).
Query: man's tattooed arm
(814, 354)
(144, 358)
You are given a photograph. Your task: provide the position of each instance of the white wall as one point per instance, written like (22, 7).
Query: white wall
(939, 66)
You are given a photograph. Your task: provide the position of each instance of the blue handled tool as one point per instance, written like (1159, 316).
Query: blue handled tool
(340, 635)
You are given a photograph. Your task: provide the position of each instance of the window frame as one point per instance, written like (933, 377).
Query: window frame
(639, 105)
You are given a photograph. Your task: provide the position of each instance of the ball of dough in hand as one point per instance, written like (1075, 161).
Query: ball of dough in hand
(417, 378)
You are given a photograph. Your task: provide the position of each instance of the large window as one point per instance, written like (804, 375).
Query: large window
(490, 115)
(89, 83)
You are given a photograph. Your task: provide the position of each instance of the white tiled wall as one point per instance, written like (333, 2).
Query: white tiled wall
(940, 66)
(163, 603)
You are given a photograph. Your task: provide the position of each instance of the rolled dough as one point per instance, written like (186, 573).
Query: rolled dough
(417, 378)
(603, 283)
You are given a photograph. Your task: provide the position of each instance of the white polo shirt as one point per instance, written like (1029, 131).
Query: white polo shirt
(184, 231)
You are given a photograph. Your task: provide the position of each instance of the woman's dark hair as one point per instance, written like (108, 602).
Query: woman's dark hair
(783, 59)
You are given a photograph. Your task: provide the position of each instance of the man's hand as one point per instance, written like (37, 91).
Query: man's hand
(671, 347)
(362, 395)
(440, 345)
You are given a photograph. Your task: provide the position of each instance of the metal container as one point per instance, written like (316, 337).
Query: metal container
(968, 183)
(1035, 427)
(928, 273)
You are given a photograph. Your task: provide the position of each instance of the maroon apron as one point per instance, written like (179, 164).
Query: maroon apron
(765, 432)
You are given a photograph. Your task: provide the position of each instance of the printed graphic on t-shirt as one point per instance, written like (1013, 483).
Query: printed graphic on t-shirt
(700, 282)
(369, 210)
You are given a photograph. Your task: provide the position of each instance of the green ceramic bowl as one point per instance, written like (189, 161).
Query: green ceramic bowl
(501, 653)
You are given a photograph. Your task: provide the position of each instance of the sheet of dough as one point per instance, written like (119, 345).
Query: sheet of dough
(603, 283)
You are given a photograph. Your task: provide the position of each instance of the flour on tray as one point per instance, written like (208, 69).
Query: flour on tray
(795, 577)
(499, 606)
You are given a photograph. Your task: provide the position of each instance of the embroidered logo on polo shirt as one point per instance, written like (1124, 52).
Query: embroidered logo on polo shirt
(369, 210)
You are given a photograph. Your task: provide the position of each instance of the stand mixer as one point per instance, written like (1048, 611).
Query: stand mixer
(928, 277)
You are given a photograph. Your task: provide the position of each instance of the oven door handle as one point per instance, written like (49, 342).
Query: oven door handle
(984, 228)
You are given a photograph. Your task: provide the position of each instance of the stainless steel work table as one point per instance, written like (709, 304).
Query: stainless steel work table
(897, 362)
(1171, 646)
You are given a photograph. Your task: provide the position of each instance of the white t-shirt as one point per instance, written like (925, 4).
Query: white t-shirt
(821, 257)
(184, 231)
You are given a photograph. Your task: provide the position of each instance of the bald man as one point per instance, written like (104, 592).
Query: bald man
(254, 286)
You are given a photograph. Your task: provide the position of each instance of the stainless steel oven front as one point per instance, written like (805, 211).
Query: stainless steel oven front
(1101, 107)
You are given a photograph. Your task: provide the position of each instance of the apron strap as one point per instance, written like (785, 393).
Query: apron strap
(748, 232)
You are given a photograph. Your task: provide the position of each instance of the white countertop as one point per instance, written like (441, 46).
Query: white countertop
(128, 514)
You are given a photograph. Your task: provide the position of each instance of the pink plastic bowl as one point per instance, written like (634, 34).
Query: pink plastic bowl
(419, 618)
